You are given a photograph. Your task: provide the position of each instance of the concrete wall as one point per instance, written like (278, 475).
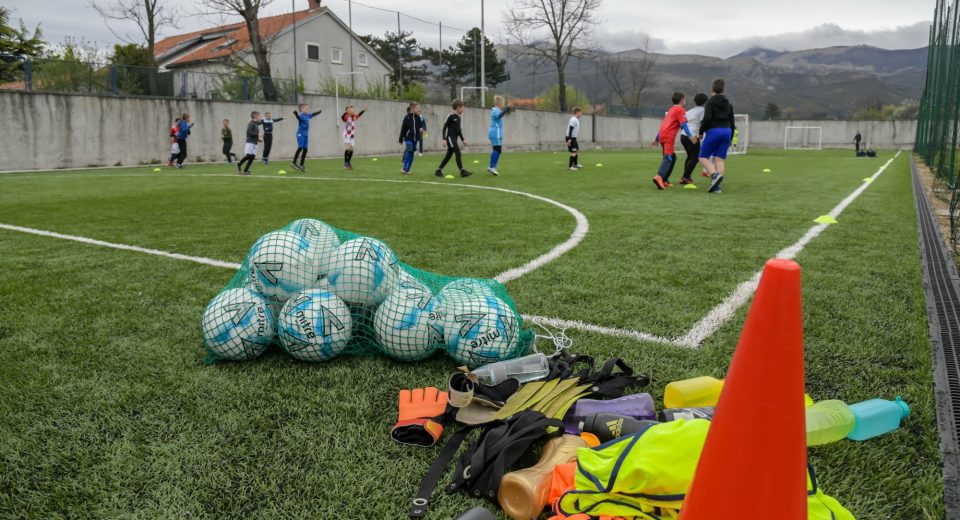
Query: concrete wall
(72, 131)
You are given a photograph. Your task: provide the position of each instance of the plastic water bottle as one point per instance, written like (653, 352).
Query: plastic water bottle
(828, 422)
(523, 494)
(693, 393)
(525, 369)
(877, 417)
(635, 406)
(608, 426)
(687, 414)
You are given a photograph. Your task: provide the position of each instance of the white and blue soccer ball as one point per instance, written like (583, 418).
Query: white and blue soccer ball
(364, 272)
(323, 242)
(477, 329)
(280, 265)
(238, 324)
(314, 325)
(466, 287)
(403, 326)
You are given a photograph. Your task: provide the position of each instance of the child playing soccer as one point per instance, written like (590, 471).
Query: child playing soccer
(183, 131)
(349, 119)
(675, 120)
(226, 134)
(573, 131)
(303, 116)
(496, 132)
(267, 124)
(174, 147)
(694, 117)
(250, 147)
(718, 126)
(452, 135)
(410, 130)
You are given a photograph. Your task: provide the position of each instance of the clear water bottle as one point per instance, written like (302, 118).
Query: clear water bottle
(877, 417)
(828, 422)
(525, 369)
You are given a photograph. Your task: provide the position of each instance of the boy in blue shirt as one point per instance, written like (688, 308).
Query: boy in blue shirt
(496, 132)
(267, 124)
(303, 116)
(410, 131)
(183, 131)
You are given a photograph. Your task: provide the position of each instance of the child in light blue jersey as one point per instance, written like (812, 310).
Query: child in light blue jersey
(496, 132)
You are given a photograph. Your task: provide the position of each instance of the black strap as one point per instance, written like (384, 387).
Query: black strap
(421, 502)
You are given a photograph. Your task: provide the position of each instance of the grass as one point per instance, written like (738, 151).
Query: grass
(106, 409)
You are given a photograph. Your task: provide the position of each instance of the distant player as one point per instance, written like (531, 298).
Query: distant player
(349, 119)
(452, 135)
(495, 134)
(174, 147)
(267, 124)
(573, 132)
(226, 135)
(250, 146)
(856, 141)
(717, 127)
(423, 134)
(673, 122)
(410, 130)
(303, 116)
(183, 132)
(692, 146)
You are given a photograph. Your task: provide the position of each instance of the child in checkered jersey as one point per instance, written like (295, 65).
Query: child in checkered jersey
(349, 119)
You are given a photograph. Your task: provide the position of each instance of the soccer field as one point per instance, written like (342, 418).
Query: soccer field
(107, 410)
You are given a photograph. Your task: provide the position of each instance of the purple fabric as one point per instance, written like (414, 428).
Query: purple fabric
(638, 406)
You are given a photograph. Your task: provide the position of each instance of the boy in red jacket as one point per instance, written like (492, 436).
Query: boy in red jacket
(673, 122)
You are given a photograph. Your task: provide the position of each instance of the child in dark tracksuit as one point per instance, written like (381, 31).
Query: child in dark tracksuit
(250, 146)
(226, 134)
(410, 131)
(452, 135)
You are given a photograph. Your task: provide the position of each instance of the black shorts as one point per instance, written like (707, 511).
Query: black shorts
(574, 146)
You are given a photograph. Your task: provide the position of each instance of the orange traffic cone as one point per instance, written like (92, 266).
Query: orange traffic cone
(753, 464)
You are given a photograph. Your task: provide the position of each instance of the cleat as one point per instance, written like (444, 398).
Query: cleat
(715, 181)
(494, 172)
(667, 184)
(238, 169)
(438, 173)
(704, 173)
(179, 166)
(572, 168)
(658, 182)
(579, 166)
(465, 173)
(684, 180)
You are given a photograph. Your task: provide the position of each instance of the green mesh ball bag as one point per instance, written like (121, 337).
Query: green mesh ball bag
(318, 292)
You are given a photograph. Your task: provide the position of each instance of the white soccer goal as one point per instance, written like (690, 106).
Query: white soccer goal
(741, 141)
(803, 138)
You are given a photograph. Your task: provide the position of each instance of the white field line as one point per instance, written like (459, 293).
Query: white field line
(722, 313)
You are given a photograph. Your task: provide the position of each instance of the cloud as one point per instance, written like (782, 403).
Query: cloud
(826, 35)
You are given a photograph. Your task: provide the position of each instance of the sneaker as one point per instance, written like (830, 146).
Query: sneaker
(494, 172)
(420, 154)
(465, 173)
(346, 166)
(578, 166)
(295, 167)
(715, 181)
(238, 169)
(179, 166)
(573, 168)
(245, 172)
(264, 161)
(684, 180)
(169, 163)
(703, 173)
(349, 167)
(658, 182)
(438, 173)
(405, 172)
(667, 184)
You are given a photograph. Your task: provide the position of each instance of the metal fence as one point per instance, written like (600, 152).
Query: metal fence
(938, 129)
(76, 77)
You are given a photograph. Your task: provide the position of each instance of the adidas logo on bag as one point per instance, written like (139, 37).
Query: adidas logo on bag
(615, 427)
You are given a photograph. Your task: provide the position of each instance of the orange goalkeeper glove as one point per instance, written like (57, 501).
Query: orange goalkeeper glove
(421, 422)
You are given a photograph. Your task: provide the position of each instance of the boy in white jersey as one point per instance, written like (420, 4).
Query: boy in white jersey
(349, 119)
(694, 117)
(573, 132)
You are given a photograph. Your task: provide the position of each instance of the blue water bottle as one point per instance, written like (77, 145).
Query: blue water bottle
(877, 417)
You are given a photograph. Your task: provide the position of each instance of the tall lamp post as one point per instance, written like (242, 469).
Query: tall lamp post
(483, 61)
(296, 78)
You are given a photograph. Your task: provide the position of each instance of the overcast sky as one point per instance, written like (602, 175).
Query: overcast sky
(717, 28)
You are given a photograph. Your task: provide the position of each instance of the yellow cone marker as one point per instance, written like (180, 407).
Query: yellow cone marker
(690, 187)
(767, 170)
(282, 172)
(867, 179)
(157, 169)
(375, 159)
(449, 177)
(825, 219)
(476, 162)
(599, 165)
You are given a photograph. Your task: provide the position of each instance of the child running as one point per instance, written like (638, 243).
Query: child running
(496, 132)
(573, 131)
(183, 131)
(718, 127)
(692, 147)
(410, 130)
(675, 120)
(349, 119)
(250, 147)
(303, 116)
(452, 135)
(174, 147)
(267, 123)
(226, 134)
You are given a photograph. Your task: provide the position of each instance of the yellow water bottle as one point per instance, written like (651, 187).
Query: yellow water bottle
(693, 393)
(523, 494)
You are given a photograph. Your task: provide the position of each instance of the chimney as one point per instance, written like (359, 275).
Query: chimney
(314, 4)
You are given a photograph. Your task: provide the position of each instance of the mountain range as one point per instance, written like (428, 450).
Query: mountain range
(826, 83)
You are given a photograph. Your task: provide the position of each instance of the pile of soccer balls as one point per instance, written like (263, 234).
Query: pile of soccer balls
(318, 293)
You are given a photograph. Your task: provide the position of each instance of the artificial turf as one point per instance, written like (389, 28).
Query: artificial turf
(106, 409)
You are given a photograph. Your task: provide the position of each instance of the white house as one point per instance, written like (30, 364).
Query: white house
(325, 49)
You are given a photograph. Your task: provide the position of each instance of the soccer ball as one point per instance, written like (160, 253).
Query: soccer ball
(403, 327)
(280, 265)
(323, 241)
(364, 271)
(314, 325)
(477, 329)
(466, 287)
(408, 282)
(238, 324)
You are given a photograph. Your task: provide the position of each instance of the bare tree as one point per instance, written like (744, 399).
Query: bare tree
(150, 16)
(552, 31)
(249, 10)
(630, 77)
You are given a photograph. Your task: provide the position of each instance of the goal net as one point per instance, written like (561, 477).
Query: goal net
(741, 137)
(803, 138)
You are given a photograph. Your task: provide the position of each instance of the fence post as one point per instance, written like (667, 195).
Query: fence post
(28, 74)
(113, 80)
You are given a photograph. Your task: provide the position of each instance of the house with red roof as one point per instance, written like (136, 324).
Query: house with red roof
(324, 48)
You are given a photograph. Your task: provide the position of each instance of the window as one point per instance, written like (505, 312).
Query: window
(313, 52)
(362, 59)
(336, 55)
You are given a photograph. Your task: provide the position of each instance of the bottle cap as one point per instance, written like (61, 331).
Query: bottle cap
(904, 407)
